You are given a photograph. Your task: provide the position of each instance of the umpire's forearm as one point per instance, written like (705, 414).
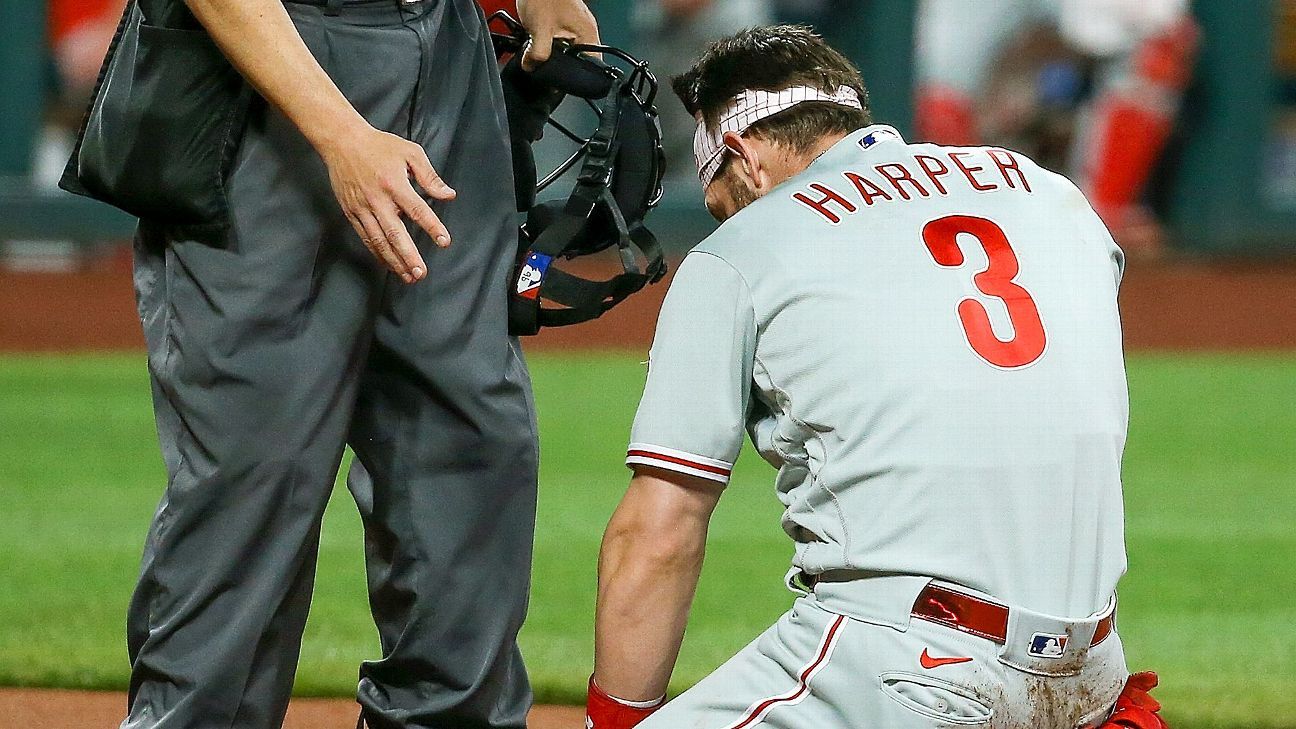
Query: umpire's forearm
(259, 38)
(648, 573)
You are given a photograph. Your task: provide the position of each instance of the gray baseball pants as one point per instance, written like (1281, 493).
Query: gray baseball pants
(819, 669)
(277, 341)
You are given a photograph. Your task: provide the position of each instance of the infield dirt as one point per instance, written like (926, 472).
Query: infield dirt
(60, 709)
(1174, 305)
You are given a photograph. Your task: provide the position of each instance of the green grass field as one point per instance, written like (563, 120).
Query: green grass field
(1210, 600)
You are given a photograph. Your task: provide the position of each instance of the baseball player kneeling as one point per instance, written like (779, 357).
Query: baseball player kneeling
(924, 341)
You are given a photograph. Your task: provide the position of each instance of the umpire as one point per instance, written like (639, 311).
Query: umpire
(314, 316)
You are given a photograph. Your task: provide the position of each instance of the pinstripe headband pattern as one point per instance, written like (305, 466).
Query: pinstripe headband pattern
(750, 107)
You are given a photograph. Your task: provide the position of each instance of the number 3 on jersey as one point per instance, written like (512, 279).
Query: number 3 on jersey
(1028, 340)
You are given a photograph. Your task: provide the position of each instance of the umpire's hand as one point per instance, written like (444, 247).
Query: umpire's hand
(546, 20)
(371, 175)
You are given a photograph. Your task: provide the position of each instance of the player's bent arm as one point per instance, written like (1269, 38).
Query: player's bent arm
(368, 168)
(648, 572)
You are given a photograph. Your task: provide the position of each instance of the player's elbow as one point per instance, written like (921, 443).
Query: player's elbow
(674, 550)
(657, 544)
(661, 524)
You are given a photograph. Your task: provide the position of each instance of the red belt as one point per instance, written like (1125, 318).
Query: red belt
(979, 617)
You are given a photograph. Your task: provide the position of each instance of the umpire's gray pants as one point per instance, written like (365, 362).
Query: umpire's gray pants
(274, 343)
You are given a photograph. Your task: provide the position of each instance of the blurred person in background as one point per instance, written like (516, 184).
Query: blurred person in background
(671, 34)
(77, 35)
(1144, 51)
(79, 32)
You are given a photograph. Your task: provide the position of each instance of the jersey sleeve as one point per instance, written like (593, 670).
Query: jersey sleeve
(694, 409)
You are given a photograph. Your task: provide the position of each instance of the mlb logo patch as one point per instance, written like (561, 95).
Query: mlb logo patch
(1047, 645)
(532, 275)
(872, 138)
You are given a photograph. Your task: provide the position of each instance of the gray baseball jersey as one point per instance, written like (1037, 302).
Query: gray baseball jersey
(925, 342)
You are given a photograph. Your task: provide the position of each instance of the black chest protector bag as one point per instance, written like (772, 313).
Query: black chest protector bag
(164, 124)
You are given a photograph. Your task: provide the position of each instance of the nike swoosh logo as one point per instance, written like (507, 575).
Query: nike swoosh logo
(928, 662)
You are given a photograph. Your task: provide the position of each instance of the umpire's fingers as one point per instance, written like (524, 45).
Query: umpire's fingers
(417, 210)
(538, 48)
(587, 31)
(428, 179)
(398, 237)
(372, 235)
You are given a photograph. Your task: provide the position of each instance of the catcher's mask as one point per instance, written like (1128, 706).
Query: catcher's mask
(618, 182)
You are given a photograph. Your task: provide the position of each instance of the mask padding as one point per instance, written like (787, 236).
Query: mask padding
(638, 160)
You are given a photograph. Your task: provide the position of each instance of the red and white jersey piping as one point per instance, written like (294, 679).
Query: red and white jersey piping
(670, 459)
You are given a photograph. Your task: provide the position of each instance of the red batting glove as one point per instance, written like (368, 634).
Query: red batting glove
(603, 711)
(1135, 707)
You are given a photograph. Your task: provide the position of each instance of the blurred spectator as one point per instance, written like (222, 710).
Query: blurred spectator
(1280, 172)
(671, 34)
(79, 33)
(1142, 52)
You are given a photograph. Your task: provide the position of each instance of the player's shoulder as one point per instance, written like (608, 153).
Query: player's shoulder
(756, 234)
(1039, 175)
(729, 245)
(704, 280)
(1064, 191)
(711, 262)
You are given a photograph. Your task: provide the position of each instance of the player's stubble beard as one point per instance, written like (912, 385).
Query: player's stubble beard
(740, 193)
(770, 165)
(739, 190)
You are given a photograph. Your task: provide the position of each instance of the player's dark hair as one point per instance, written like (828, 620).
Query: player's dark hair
(771, 58)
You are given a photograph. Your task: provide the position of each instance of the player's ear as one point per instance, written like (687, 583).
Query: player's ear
(747, 162)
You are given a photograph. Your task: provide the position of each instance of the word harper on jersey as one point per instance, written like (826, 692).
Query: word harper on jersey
(983, 169)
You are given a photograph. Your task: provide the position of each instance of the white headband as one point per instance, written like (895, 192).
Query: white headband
(750, 107)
